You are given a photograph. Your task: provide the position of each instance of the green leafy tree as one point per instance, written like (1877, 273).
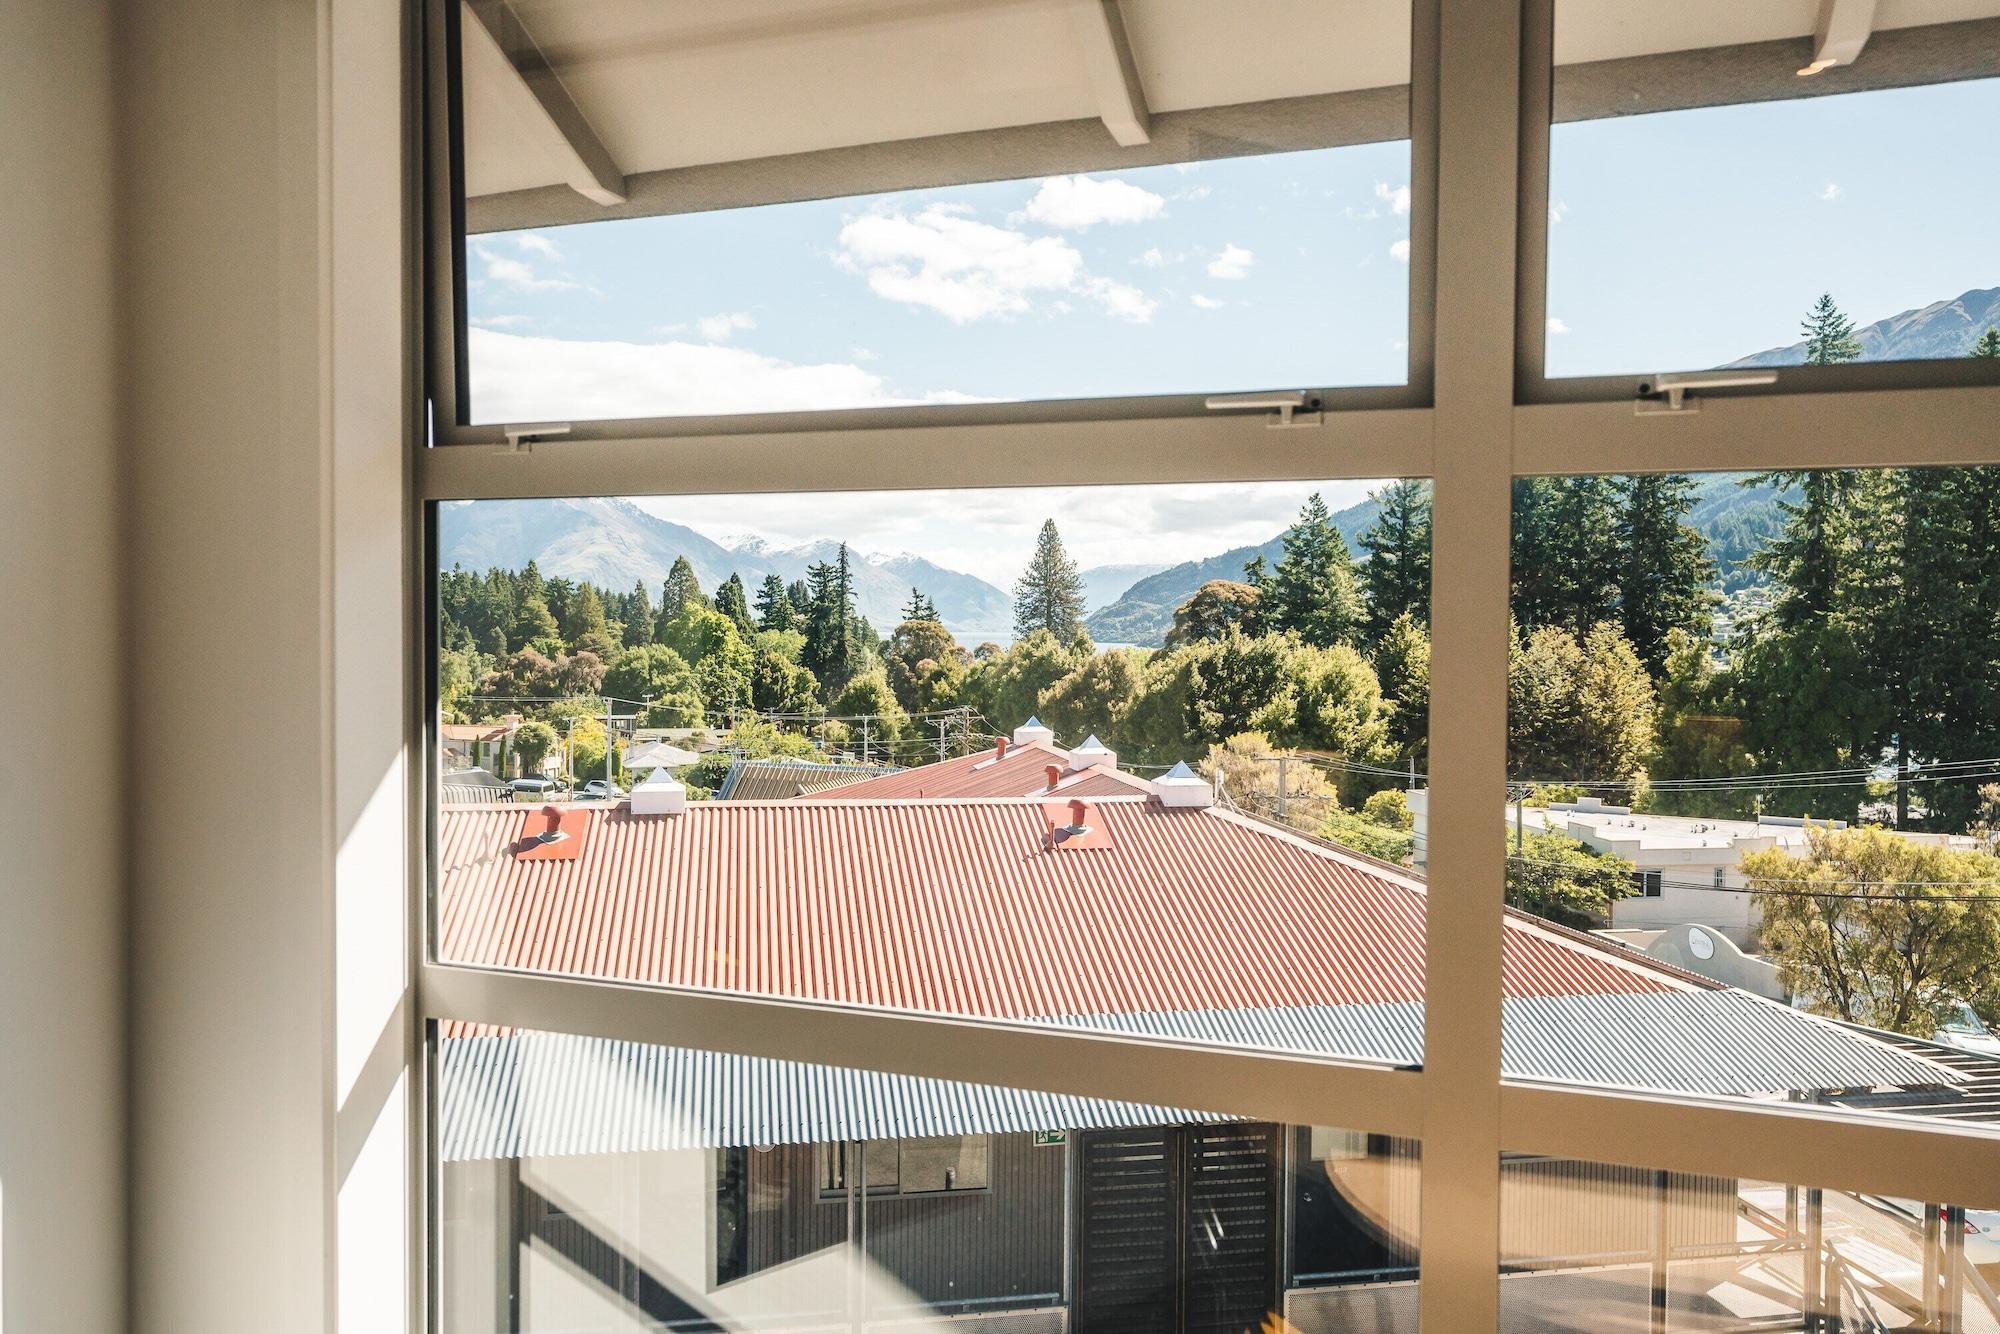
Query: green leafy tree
(1006, 687)
(522, 677)
(731, 602)
(1988, 344)
(1095, 698)
(1314, 592)
(1396, 577)
(1565, 552)
(1389, 808)
(1403, 668)
(532, 743)
(1217, 607)
(708, 642)
(1665, 571)
(867, 695)
(777, 683)
(1554, 876)
(655, 673)
(1854, 950)
(925, 666)
(1578, 708)
(1830, 337)
(1248, 765)
(1371, 839)
(1049, 595)
(1699, 733)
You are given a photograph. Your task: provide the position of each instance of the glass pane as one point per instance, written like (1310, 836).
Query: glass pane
(590, 1185)
(1588, 1246)
(1754, 742)
(1714, 201)
(1121, 757)
(828, 249)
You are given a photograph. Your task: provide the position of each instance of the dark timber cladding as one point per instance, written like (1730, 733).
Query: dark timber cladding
(1177, 1228)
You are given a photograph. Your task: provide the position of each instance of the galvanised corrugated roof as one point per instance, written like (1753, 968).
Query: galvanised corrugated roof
(1021, 772)
(774, 780)
(1718, 1042)
(959, 906)
(520, 1094)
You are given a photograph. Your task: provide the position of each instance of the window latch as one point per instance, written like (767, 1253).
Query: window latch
(521, 437)
(1669, 392)
(1290, 407)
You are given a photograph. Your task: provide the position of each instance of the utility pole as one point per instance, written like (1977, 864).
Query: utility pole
(1284, 793)
(610, 745)
(941, 726)
(1519, 836)
(865, 719)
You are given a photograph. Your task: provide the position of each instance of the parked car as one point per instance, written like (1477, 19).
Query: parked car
(599, 790)
(533, 787)
(1961, 1028)
(1982, 1229)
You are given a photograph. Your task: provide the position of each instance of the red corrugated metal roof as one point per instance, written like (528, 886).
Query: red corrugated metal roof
(958, 906)
(1023, 773)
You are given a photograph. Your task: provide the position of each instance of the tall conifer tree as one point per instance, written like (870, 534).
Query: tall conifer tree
(1397, 573)
(1049, 594)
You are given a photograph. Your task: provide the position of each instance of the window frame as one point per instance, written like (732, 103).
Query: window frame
(1025, 151)
(1534, 385)
(1472, 420)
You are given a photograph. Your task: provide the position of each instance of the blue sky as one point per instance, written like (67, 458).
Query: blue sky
(1288, 270)
(1677, 240)
(1690, 238)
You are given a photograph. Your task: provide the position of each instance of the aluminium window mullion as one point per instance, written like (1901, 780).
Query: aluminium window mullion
(1478, 125)
(1259, 1085)
(1215, 447)
(1873, 429)
(1838, 1149)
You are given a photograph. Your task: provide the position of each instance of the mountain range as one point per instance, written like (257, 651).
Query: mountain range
(613, 543)
(1942, 329)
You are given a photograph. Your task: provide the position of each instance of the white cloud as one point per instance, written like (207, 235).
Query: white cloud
(1400, 251)
(1194, 194)
(519, 377)
(1556, 326)
(519, 274)
(1558, 211)
(1074, 203)
(1233, 262)
(1831, 193)
(502, 321)
(864, 354)
(1397, 197)
(1121, 299)
(1155, 258)
(1206, 302)
(963, 269)
(966, 270)
(535, 243)
(721, 328)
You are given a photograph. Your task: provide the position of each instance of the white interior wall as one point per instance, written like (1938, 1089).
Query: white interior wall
(61, 896)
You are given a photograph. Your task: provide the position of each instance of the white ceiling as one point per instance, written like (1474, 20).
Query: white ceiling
(675, 83)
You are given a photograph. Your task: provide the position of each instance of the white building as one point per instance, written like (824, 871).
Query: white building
(1687, 866)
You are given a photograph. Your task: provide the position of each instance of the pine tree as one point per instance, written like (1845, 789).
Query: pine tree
(1565, 552)
(680, 590)
(919, 607)
(1988, 344)
(1314, 591)
(731, 602)
(637, 613)
(1829, 334)
(585, 616)
(1397, 573)
(774, 607)
(830, 628)
(1665, 570)
(1049, 594)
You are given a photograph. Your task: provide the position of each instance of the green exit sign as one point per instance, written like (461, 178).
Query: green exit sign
(1045, 1138)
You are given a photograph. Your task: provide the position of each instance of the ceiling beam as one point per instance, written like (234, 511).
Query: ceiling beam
(1114, 75)
(1843, 29)
(495, 45)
